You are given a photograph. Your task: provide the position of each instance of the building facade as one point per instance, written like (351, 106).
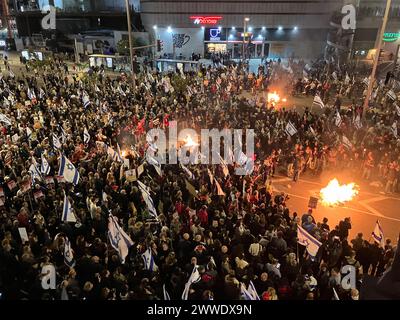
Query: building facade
(280, 28)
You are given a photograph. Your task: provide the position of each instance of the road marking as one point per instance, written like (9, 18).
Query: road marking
(320, 184)
(372, 212)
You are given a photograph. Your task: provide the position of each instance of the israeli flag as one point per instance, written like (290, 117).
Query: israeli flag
(394, 128)
(5, 119)
(68, 171)
(338, 120)
(166, 294)
(44, 166)
(188, 172)
(31, 94)
(245, 293)
(334, 76)
(114, 154)
(67, 214)
(153, 161)
(85, 100)
(397, 109)
(119, 240)
(41, 93)
(357, 122)
(194, 277)
(377, 234)
(305, 239)
(28, 133)
(391, 95)
(366, 81)
(63, 134)
(34, 172)
(147, 199)
(347, 142)
(148, 259)
(68, 254)
(252, 291)
(56, 142)
(318, 102)
(290, 129)
(86, 136)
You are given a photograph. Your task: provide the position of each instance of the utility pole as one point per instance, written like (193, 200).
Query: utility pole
(376, 60)
(128, 18)
(244, 36)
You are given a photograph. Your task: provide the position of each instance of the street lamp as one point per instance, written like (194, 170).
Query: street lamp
(246, 19)
(377, 54)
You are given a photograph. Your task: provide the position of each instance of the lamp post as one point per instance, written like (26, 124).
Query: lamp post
(128, 18)
(246, 19)
(376, 59)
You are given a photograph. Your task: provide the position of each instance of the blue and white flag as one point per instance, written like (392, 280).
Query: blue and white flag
(147, 199)
(5, 119)
(56, 142)
(347, 143)
(34, 172)
(391, 95)
(31, 94)
(397, 109)
(290, 129)
(44, 166)
(68, 170)
(63, 134)
(245, 293)
(252, 291)
(115, 156)
(338, 120)
(318, 102)
(85, 100)
(366, 81)
(148, 260)
(153, 161)
(377, 234)
(28, 133)
(67, 214)
(357, 122)
(166, 294)
(86, 136)
(305, 239)
(188, 172)
(68, 254)
(41, 93)
(119, 240)
(194, 277)
(394, 129)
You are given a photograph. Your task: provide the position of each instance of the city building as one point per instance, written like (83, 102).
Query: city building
(95, 19)
(272, 28)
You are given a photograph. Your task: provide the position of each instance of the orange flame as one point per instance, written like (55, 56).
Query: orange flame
(335, 194)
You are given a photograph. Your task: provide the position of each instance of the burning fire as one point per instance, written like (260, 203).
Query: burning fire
(273, 97)
(189, 142)
(335, 194)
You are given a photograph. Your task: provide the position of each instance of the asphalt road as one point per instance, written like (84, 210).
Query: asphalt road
(370, 205)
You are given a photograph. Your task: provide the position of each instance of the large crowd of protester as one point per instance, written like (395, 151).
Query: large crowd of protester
(194, 232)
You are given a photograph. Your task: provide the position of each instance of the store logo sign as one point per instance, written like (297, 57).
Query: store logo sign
(391, 37)
(215, 35)
(205, 19)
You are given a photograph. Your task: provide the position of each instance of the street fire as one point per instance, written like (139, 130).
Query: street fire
(273, 97)
(189, 142)
(335, 193)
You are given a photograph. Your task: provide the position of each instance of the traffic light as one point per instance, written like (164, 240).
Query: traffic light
(159, 45)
